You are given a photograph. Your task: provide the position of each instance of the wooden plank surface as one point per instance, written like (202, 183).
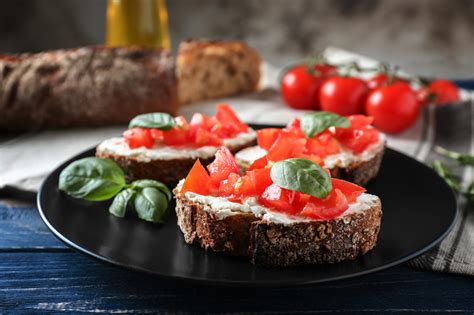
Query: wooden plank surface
(72, 282)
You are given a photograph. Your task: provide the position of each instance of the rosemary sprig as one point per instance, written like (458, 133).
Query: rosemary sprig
(447, 175)
(462, 158)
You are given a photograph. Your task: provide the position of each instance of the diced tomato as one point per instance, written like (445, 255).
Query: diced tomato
(198, 180)
(350, 190)
(295, 123)
(360, 121)
(181, 122)
(266, 137)
(254, 182)
(224, 164)
(223, 130)
(357, 140)
(226, 187)
(328, 208)
(156, 134)
(138, 137)
(314, 158)
(323, 145)
(258, 163)
(175, 137)
(283, 146)
(226, 115)
(280, 199)
(204, 137)
(202, 121)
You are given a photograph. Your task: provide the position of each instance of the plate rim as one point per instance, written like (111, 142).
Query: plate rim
(238, 283)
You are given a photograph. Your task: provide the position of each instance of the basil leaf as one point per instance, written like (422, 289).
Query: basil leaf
(92, 179)
(161, 121)
(150, 204)
(462, 158)
(119, 205)
(314, 123)
(143, 183)
(302, 175)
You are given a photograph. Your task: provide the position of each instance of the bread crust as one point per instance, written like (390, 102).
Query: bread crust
(169, 172)
(89, 86)
(213, 68)
(332, 241)
(270, 244)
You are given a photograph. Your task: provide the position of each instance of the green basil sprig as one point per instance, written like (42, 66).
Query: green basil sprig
(315, 122)
(161, 121)
(96, 179)
(302, 175)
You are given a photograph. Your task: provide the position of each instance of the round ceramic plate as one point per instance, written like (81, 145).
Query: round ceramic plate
(419, 209)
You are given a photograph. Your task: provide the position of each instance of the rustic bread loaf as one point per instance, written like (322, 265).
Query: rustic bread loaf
(210, 69)
(89, 86)
(275, 244)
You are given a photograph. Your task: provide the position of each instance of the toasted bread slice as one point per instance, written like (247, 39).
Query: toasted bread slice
(167, 170)
(209, 69)
(358, 171)
(221, 227)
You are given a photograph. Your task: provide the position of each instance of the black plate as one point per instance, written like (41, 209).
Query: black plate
(419, 209)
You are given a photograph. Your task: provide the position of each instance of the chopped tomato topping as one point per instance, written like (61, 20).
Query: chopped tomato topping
(360, 121)
(357, 140)
(284, 146)
(266, 137)
(156, 134)
(295, 123)
(224, 164)
(280, 199)
(226, 115)
(198, 180)
(328, 208)
(350, 190)
(226, 187)
(138, 137)
(202, 121)
(204, 137)
(258, 163)
(181, 122)
(254, 182)
(174, 137)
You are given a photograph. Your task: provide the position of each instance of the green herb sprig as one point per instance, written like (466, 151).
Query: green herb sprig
(453, 181)
(96, 179)
(302, 175)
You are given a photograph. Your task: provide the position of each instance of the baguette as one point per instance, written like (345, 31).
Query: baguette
(90, 86)
(210, 69)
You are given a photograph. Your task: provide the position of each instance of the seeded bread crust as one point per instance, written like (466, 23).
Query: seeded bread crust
(210, 69)
(271, 244)
(200, 225)
(344, 238)
(89, 86)
(359, 173)
(169, 172)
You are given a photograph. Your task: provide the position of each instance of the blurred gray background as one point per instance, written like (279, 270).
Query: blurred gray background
(428, 37)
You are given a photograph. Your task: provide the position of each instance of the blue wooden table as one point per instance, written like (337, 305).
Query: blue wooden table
(39, 273)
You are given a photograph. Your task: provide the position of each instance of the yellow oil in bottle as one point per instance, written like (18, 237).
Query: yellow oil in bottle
(137, 22)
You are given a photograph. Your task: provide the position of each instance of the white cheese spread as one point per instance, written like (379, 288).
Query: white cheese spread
(223, 208)
(118, 146)
(341, 159)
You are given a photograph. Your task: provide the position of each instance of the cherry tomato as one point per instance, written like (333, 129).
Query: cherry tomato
(445, 91)
(300, 89)
(394, 107)
(343, 95)
(138, 137)
(223, 165)
(198, 180)
(381, 79)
